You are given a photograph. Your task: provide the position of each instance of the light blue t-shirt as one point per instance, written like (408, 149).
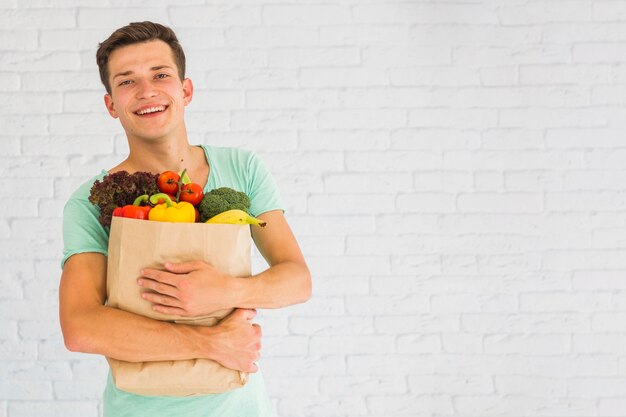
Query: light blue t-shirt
(229, 167)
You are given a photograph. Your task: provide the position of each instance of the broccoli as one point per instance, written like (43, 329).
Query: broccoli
(220, 200)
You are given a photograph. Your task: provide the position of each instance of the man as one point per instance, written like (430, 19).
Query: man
(142, 67)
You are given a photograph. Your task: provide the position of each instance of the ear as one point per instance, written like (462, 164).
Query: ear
(108, 102)
(187, 91)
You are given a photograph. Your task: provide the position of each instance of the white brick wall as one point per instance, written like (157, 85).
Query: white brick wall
(455, 172)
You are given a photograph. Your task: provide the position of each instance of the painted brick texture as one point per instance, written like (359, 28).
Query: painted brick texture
(455, 172)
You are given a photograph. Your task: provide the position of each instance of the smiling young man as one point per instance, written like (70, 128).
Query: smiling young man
(142, 67)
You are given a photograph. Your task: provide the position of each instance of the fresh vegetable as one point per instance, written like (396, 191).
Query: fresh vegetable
(220, 200)
(168, 182)
(120, 189)
(191, 193)
(170, 211)
(135, 210)
(236, 217)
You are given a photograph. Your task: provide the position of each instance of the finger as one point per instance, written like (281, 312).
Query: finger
(248, 313)
(174, 311)
(158, 287)
(184, 267)
(160, 276)
(164, 300)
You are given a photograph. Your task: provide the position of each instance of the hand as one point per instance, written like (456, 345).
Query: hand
(189, 289)
(236, 343)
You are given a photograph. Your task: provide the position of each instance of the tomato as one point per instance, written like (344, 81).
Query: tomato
(168, 182)
(191, 193)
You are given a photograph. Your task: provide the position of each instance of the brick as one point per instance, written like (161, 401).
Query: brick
(611, 407)
(417, 323)
(107, 18)
(362, 385)
(444, 384)
(393, 160)
(246, 78)
(351, 344)
(598, 53)
(304, 14)
(580, 74)
(544, 12)
(426, 202)
(314, 57)
(359, 204)
(260, 142)
(589, 31)
(553, 118)
(563, 301)
(473, 35)
(388, 305)
(453, 118)
(595, 343)
(434, 139)
(598, 280)
(418, 343)
(264, 36)
(343, 77)
(411, 405)
(402, 57)
(501, 203)
(51, 18)
(512, 96)
(18, 40)
(424, 13)
(344, 325)
(509, 139)
(499, 76)
(292, 99)
(362, 119)
(608, 322)
(444, 181)
(445, 76)
(322, 405)
(359, 140)
(528, 344)
(389, 97)
(261, 120)
(337, 35)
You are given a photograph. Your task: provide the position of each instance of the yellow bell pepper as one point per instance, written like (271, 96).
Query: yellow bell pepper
(170, 211)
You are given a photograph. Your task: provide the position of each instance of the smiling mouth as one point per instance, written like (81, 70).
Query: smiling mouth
(151, 110)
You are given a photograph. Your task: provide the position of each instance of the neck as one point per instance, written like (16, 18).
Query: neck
(159, 155)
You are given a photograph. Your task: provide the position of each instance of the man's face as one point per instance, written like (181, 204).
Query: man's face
(146, 92)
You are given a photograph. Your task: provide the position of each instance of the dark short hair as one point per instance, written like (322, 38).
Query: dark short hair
(138, 32)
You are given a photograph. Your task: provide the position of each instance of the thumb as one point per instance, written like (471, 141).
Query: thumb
(247, 313)
(183, 267)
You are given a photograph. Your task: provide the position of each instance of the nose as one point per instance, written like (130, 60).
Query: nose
(145, 89)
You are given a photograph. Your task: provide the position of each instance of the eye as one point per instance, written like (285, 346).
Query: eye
(161, 76)
(125, 82)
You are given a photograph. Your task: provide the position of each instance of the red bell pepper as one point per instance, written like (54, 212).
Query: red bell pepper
(134, 211)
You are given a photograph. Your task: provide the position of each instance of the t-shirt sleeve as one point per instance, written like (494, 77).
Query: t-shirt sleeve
(263, 190)
(82, 232)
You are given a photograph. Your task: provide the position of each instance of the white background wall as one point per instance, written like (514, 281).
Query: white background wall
(454, 172)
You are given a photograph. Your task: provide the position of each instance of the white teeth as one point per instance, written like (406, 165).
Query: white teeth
(151, 110)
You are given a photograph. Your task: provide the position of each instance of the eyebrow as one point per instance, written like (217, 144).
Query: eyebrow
(125, 73)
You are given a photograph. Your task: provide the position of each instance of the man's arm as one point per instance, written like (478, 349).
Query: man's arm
(196, 288)
(91, 327)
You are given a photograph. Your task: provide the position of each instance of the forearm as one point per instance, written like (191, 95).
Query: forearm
(129, 337)
(283, 284)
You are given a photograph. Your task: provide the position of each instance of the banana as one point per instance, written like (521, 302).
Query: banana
(236, 217)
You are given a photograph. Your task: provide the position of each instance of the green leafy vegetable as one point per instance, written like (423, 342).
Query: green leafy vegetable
(120, 189)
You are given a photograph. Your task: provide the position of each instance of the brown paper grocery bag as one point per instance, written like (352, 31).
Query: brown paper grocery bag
(136, 244)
